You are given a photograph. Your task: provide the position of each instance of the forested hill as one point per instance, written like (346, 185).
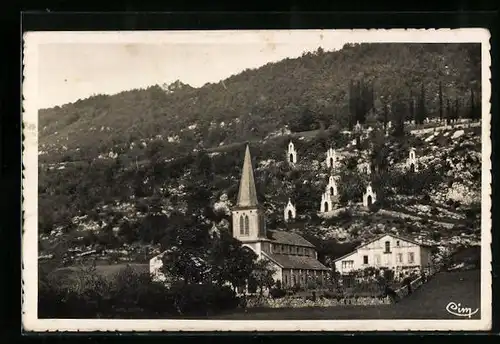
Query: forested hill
(255, 103)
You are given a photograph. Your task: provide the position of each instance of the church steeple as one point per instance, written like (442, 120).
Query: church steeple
(247, 194)
(248, 218)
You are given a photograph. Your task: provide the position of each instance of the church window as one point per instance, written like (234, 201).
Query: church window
(247, 225)
(242, 227)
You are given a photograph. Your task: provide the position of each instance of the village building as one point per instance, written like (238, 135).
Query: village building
(331, 187)
(331, 158)
(293, 258)
(412, 162)
(386, 251)
(290, 212)
(291, 154)
(369, 197)
(365, 167)
(330, 197)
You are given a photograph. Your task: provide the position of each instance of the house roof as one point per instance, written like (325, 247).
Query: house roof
(247, 194)
(288, 238)
(296, 262)
(413, 241)
(380, 237)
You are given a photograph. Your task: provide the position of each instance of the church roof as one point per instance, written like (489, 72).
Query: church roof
(297, 262)
(247, 194)
(288, 238)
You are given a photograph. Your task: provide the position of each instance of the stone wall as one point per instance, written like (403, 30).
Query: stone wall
(291, 302)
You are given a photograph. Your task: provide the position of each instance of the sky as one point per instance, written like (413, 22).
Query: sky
(73, 70)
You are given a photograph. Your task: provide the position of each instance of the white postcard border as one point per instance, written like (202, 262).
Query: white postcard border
(30, 181)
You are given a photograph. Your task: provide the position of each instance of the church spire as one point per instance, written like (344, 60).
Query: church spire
(247, 195)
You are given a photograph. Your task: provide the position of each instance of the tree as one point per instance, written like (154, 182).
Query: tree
(398, 113)
(230, 261)
(457, 109)
(474, 109)
(263, 275)
(385, 115)
(421, 110)
(411, 109)
(361, 101)
(449, 112)
(379, 154)
(440, 102)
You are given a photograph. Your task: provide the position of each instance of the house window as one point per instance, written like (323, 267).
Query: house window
(247, 225)
(242, 225)
(399, 258)
(347, 264)
(285, 279)
(411, 258)
(397, 243)
(365, 259)
(387, 247)
(377, 259)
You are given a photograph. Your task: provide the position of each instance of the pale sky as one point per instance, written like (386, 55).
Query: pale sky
(70, 71)
(75, 65)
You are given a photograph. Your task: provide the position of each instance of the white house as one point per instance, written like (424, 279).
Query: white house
(386, 251)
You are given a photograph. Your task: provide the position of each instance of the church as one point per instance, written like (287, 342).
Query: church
(294, 259)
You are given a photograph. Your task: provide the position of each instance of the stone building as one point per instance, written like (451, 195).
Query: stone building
(331, 158)
(291, 154)
(412, 162)
(290, 212)
(369, 197)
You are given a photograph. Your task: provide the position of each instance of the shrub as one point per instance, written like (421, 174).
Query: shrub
(277, 293)
(127, 294)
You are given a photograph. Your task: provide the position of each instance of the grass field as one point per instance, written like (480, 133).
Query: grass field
(107, 270)
(428, 302)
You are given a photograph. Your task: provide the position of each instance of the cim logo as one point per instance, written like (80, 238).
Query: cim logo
(460, 311)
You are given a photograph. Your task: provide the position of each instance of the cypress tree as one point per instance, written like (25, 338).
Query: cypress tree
(440, 102)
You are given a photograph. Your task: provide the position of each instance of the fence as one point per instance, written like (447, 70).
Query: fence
(417, 282)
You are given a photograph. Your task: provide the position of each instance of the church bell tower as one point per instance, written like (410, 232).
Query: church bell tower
(248, 217)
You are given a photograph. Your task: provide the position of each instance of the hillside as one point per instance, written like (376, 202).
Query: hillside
(121, 175)
(305, 93)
